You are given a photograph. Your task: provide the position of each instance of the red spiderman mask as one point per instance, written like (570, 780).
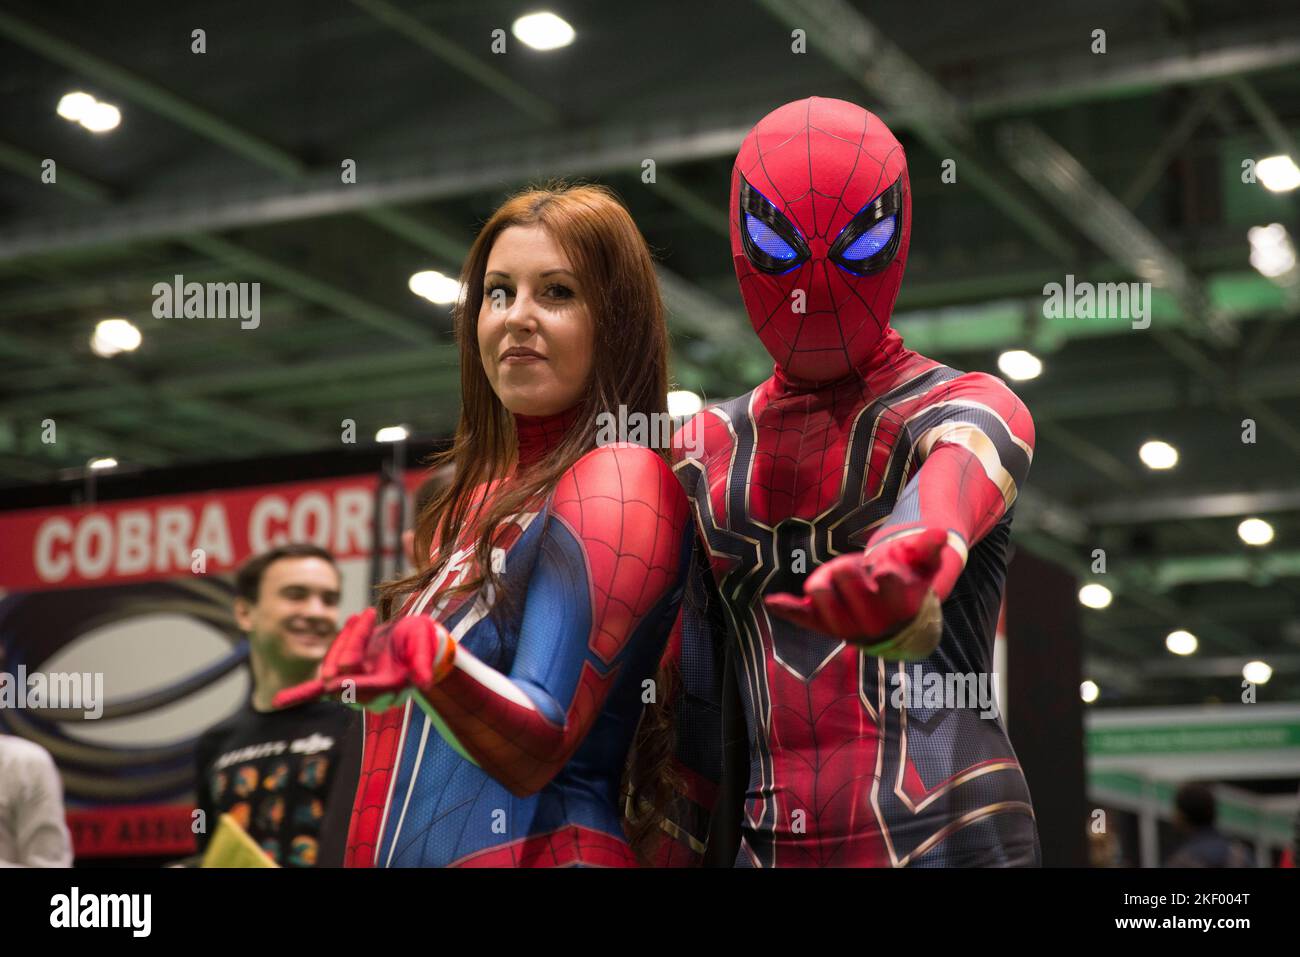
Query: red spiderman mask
(821, 215)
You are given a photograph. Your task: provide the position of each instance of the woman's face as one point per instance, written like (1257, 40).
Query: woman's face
(535, 329)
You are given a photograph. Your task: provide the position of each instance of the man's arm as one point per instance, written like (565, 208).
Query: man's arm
(974, 444)
(41, 835)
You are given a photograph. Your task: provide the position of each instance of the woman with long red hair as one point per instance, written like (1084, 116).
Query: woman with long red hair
(503, 697)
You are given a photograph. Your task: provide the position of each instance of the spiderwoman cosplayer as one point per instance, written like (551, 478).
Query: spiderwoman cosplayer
(856, 509)
(502, 700)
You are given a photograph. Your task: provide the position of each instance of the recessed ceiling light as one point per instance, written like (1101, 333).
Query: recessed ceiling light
(1020, 365)
(1181, 642)
(434, 286)
(1257, 672)
(1255, 531)
(80, 107)
(1095, 596)
(1271, 251)
(543, 31)
(1158, 455)
(112, 336)
(1278, 174)
(101, 117)
(73, 106)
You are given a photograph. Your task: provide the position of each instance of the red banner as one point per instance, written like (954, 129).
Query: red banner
(145, 830)
(168, 536)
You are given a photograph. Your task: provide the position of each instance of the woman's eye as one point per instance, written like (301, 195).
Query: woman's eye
(558, 291)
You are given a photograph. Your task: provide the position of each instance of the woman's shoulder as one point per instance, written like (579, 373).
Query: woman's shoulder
(621, 474)
(621, 459)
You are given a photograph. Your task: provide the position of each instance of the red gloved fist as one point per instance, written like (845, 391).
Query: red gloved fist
(372, 666)
(884, 600)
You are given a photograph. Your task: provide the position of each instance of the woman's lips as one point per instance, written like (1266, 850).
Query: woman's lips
(521, 358)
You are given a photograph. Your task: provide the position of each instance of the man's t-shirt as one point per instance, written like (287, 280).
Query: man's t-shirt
(272, 772)
(33, 832)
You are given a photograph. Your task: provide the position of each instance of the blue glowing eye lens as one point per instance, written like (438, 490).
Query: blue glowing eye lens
(873, 240)
(766, 239)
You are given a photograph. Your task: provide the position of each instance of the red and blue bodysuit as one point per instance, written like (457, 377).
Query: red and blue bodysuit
(855, 509)
(510, 744)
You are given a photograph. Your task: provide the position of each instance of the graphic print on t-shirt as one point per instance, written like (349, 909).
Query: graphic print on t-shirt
(272, 773)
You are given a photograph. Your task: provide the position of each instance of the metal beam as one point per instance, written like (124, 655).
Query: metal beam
(1052, 530)
(862, 51)
(1262, 568)
(1135, 70)
(311, 289)
(128, 391)
(1266, 119)
(693, 308)
(1135, 676)
(1087, 453)
(711, 216)
(78, 442)
(706, 316)
(1182, 616)
(1062, 522)
(1165, 608)
(1062, 180)
(1020, 323)
(27, 470)
(1161, 395)
(1172, 507)
(125, 286)
(158, 99)
(1212, 372)
(997, 278)
(455, 172)
(495, 81)
(29, 165)
(263, 427)
(148, 94)
(458, 59)
(1203, 103)
(916, 101)
(436, 363)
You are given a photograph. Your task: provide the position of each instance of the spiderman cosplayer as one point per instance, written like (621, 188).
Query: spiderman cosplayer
(502, 702)
(840, 502)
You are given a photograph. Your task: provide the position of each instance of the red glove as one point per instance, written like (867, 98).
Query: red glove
(885, 600)
(373, 667)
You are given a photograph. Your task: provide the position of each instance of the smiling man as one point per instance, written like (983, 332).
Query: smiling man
(270, 769)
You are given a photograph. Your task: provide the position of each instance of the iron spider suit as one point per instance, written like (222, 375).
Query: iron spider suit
(840, 502)
(509, 743)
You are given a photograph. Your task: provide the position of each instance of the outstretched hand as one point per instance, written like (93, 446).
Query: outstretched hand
(374, 667)
(885, 600)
